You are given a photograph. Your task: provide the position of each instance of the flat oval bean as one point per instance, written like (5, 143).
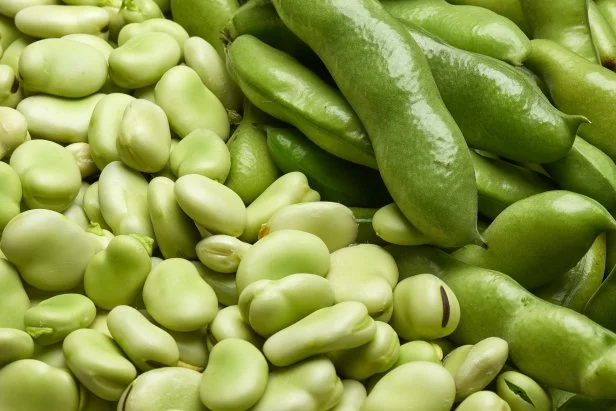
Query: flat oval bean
(14, 302)
(193, 349)
(81, 155)
(201, 152)
(98, 363)
(92, 208)
(137, 11)
(353, 396)
(53, 319)
(12, 53)
(63, 68)
(10, 7)
(419, 350)
(221, 253)
(45, 21)
(229, 323)
(189, 104)
(153, 25)
(10, 194)
(59, 119)
(222, 284)
(392, 226)
(48, 173)
(143, 59)
(483, 400)
(522, 393)
(15, 345)
(177, 298)
(235, 377)
(8, 82)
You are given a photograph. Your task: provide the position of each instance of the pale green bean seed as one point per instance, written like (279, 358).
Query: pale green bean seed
(391, 225)
(92, 207)
(10, 194)
(522, 393)
(100, 323)
(61, 247)
(419, 351)
(189, 104)
(290, 188)
(14, 345)
(162, 390)
(144, 139)
(223, 284)
(8, 32)
(365, 273)
(221, 253)
(147, 345)
(13, 52)
(48, 173)
(270, 306)
(14, 302)
(10, 7)
(201, 152)
(83, 159)
(333, 223)
(483, 400)
(136, 11)
(116, 20)
(280, 254)
(63, 68)
(59, 119)
(32, 385)
(143, 59)
(46, 21)
(211, 204)
(50, 355)
(353, 396)
(235, 377)
(98, 363)
(104, 128)
(153, 25)
(146, 93)
(229, 323)
(424, 308)
(8, 81)
(96, 42)
(175, 232)
(456, 357)
(193, 349)
(316, 334)
(202, 57)
(177, 298)
(123, 197)
(56, 317)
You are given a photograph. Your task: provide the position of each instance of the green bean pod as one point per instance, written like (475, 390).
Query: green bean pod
(603, 36)
(512, 9)
(389, 223)
(601, 303)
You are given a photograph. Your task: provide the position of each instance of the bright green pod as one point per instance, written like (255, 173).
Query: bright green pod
(145, 344)
(353, 396)
(104, 128)
(576, 287)
(378, 355)
(603, 36)
(252, 168)
(53, 319)
(15, 345)
(44, 21)
(314, 334)
(469, 28)
(222, 284)
(311, 385)
(415, 386)
(586, 170)
(123, 197)
(329, 122)
(500, 183)
(83, 159)
(163, 389)
(211, 204)
(280, 254)
(567, 25)
(512, 9)
(424, 308)
(153, 25)
(204, 19)
(115, 276)
(270, 306)
(176, 234)
(59, 119)
(601, 304)
(31, 385)
(364, 273)
(63, 68)
(483, 400)
(202, 57)
(537, 239)
(143, 59)
(144, 138)
(235, 377)
(229, 323)
(48, 173)
(98, 363)
(10, 8)
(13, 52)
(522, 393)
(334, 223)
(61, 247)
(578, 402)
(137, 11)
(391, 225)
(14, 302)
(189, 104)
(290, 188)
(8, 81)
(10, 194)
(201, 152)
(578, 86)
(177, 298)
(92, 207)
(221, 253)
